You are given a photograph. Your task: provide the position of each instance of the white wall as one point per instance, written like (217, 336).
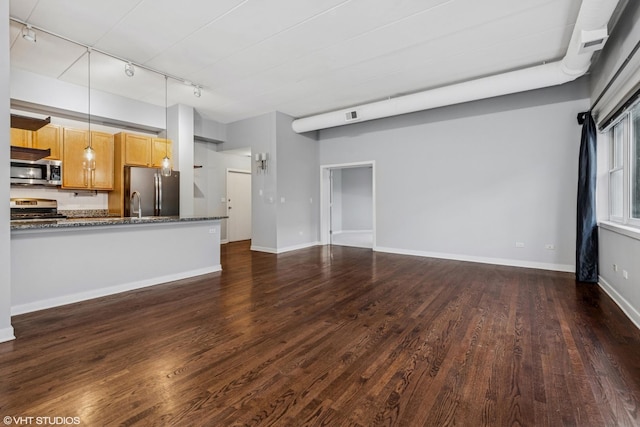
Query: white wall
(259, 133)
(617, 245)
(54, 95)
(82, 265)
(6, 330)
(180, 131)
(357, 200)
(336, 200)
(211, 180)
(208, 129)
(298, 183)
(469, 181)
(623, 250)
(285, 198)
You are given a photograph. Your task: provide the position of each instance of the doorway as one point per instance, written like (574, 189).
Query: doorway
(347, 204)
(238, 205)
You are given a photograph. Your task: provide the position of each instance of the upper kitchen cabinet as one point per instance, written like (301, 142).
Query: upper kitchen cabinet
(135, 148)
(160, 148)
(74, 173)
(21, 138)
(48, 137)
(141, 150)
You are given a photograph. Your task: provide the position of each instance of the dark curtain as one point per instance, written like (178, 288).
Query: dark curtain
(587, 228)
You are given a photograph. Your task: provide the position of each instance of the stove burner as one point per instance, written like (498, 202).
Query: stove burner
(34, 209)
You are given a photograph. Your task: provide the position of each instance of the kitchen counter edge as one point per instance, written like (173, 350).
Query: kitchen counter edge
(101, 222)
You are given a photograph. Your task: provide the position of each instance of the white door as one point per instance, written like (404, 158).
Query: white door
(238, 205)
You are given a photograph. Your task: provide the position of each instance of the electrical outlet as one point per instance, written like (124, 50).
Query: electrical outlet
(212, 231)
(519, 244)
(550, 246)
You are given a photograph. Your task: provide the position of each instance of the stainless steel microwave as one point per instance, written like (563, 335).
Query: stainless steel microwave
(37, 172)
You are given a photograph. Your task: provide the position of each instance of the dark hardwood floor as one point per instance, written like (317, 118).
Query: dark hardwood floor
(332, 336)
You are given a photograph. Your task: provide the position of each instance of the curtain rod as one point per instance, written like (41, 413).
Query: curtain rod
(111, 55)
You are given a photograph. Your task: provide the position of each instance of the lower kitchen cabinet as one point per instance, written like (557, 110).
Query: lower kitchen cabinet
(74, 173)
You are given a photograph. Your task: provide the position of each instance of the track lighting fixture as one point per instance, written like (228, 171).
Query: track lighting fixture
(197, 92)
(28, 34)
(129, 70)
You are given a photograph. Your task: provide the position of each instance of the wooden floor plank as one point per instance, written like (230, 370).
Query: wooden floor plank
(332, 336)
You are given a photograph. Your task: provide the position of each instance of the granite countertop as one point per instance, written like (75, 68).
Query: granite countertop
(104, 221)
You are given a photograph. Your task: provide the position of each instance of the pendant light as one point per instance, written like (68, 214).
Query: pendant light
(166, 162)
(89, 153)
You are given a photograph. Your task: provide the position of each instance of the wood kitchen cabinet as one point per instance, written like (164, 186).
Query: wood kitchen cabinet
(159, 149)
(141, 150)
(74, 173)
(134, 150)
(21, 138)
(48, 137)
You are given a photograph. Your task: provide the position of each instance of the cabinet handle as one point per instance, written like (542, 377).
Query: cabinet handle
(86, 177)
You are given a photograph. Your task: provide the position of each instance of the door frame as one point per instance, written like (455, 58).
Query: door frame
(226, 198)
(325, 196)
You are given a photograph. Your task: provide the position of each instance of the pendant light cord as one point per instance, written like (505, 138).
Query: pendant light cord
(89, 91)
(166, 116)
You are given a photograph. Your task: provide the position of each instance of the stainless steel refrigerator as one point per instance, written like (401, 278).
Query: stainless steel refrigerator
(159, 195)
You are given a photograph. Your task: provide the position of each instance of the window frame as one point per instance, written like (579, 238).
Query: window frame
(632, 150)
(629, 148)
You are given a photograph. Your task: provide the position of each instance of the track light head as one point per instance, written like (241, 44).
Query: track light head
(28, 34)
(197, 92)
(129, 70)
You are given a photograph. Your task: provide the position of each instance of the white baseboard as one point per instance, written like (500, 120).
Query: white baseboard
(628, 309)
(97, 293)
(6, 334)
(285, 249)
(264, 249)
(296, 247)
(482, 260)
(352, 231)
(224, 241)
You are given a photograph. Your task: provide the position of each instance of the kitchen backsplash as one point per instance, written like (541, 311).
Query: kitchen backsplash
(67, 199)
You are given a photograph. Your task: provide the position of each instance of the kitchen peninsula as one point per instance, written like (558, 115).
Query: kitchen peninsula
(57, 262)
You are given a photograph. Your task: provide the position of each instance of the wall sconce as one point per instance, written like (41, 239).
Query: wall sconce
(261, 162)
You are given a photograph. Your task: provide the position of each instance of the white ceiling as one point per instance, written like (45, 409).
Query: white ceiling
(300, 57)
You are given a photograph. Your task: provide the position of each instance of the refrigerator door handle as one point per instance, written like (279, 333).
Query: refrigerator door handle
(159, 178)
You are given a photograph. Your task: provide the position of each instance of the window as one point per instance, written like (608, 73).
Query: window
(616, 172)
(635, 163)
(624, 169)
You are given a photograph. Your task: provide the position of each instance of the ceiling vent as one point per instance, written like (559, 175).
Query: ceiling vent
(350, 116)
(590, 41)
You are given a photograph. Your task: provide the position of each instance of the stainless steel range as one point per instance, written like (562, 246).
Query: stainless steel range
(34, 209)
